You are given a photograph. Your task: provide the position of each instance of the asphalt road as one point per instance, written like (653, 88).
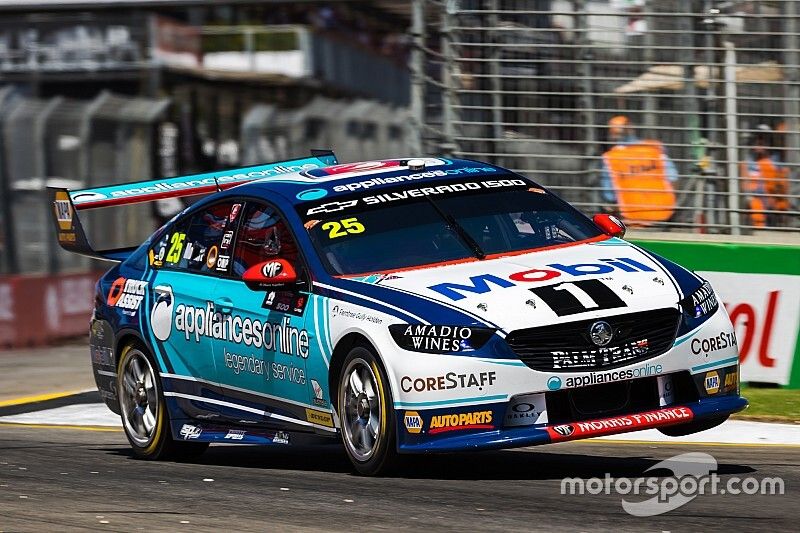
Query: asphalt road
(70, 479)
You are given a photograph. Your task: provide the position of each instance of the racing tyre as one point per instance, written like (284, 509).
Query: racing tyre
(143, 410)
(366, 415)
(692, 427)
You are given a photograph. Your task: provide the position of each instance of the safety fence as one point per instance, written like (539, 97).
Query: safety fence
(678, 115)
(115, 139)
(71, 143)
(760, 289)
(356, 130)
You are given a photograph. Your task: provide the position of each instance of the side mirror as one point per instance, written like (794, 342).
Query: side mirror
(610, 225)
(273, 274)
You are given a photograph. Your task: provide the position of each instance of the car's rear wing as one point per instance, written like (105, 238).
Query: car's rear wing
(67, 204)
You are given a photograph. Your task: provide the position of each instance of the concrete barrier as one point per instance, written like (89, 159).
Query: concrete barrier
(41, 309)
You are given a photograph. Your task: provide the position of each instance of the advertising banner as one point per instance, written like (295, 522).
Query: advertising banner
(35, 310)
(760, 288)
(765, 311)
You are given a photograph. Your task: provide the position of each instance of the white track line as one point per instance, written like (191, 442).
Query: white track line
(85, 414)
(731, 432)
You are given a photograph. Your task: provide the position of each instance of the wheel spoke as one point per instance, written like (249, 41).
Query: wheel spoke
(149, 421)
(138, 422)
(131, 414)
(374, 404)
(369, 388)
(367, 439)
(355, 426)
(129, 381)
(355, 382)
(152, 398)
(138, 371)
(373, 426)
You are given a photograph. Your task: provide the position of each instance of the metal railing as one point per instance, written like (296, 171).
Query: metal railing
(532, 85)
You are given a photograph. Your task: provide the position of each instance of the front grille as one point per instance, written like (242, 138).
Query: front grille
(615, 399)
(568, 347)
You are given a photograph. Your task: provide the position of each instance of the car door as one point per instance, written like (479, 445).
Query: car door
(182, 319)
(262, 359)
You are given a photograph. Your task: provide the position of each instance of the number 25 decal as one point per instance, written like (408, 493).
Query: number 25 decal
(572, 297)
(175, 250)
(343, 227)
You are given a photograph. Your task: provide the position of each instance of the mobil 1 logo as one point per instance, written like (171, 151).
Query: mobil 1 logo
(573, 297)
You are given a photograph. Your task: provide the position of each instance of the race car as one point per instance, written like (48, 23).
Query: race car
(403, 306)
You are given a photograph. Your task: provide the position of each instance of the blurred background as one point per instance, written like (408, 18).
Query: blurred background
(680, 116)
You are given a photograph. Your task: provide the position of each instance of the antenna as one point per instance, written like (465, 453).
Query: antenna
(219, 189)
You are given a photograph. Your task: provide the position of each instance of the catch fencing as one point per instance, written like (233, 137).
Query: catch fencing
(117, 139)
(532, 85)
(75, 144)
(355, 130)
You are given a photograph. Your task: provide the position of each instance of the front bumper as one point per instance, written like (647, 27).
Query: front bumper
(515, 437)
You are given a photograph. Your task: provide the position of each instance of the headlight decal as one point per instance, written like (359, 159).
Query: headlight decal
(702, 302)
(697, 307)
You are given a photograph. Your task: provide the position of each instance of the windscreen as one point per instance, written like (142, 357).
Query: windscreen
(406, 227)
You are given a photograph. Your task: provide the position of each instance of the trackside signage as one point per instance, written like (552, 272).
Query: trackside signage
(759, 285)
(765, 312)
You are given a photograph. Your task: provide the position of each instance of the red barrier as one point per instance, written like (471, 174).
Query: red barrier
(37, 310)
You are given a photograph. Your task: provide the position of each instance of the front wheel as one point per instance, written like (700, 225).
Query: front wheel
(143, 410)
(366, 415)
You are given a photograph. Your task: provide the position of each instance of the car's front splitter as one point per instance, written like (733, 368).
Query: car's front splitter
(473, 429)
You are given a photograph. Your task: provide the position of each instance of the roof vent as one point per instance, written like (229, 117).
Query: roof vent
(416, 164)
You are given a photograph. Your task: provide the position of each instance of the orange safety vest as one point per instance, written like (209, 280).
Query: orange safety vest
(768, 178)
(638, 175)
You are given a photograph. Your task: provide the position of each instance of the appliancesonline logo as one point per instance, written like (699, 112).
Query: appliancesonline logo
(197, 322)
(311, 194)
(161, 314)
(170, 185)
(597, 378)
(200, 183)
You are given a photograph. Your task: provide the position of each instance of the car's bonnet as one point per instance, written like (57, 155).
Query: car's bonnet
(507, 291)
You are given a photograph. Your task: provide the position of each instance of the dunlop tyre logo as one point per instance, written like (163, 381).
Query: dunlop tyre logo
(320, 418)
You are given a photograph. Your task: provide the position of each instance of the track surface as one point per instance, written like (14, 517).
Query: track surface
(70, 479)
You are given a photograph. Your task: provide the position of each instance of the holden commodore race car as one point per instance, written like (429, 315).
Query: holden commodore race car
(404, 306)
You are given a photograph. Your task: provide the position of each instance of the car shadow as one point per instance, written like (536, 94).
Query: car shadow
(523, 464)
(541, 464)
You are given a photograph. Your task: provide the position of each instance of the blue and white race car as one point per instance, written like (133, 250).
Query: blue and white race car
(404, 306)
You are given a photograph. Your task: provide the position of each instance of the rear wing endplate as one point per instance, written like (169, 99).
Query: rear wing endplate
(66, 203)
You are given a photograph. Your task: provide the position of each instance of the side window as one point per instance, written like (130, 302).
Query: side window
(201, 242)
(263, 235)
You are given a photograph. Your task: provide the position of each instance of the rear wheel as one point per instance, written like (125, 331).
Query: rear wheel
(143, 410)
(680, 430)
(365, 413)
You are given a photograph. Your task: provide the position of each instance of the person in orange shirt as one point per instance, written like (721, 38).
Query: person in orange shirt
(638, 176)
(766, 181)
